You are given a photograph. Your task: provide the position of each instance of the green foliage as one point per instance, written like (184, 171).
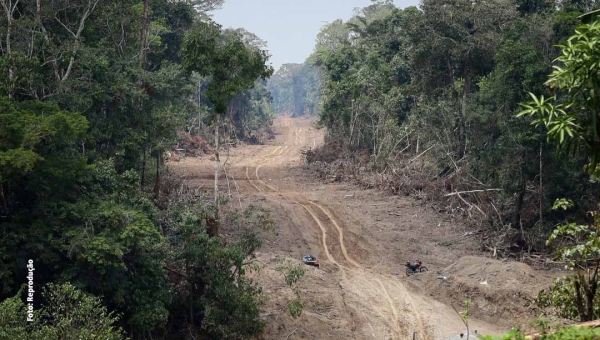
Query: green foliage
(233, 65)
(292, 274)
(562, 296)
(562, 203)
(31, 129)
(576, 297)
(447, 78)
(465, 313)
(215, 294)
(88, 104)
(251, 113)
(573, 111)
(570, 117)
(67, 313)
(365, 72)
(296, 89)
(295, 306)
(567, 333)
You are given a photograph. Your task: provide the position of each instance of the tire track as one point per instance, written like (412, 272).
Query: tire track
(341, 235)
(322, 223)
(391, 302)
(405, 293)
(264, 161)
(386, 294)
(323, 234)
(259, 160)
(359, 286)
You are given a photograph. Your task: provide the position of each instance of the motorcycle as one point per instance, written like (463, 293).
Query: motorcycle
(416, 268)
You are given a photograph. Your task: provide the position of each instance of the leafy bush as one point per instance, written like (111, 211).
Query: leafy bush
(571, 333)
(66, 314)
(292, 274)
(561, 295)
(576, 297)
(214, 295)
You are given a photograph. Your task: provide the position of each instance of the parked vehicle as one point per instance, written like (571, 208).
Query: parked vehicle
(418, 267)
(311, 261)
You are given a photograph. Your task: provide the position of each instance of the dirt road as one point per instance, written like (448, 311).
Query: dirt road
(362, 238)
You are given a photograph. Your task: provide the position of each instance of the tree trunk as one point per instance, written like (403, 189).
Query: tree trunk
(9, 9)
(591, 294)
(191, 288)
(461, 123)
(144, 34)
(77, 37)
(143, 182)
(8, 31)
(217, 165)
(199, 107)
(142, 60)
(541, 186)
(157, 182)
(579, 298)
(4, 206)
(522, 187)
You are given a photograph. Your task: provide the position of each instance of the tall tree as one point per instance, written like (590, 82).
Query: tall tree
(233, 66)
(463, 37)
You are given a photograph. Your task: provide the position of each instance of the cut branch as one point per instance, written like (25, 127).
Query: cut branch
(471, 191)
(422, 153)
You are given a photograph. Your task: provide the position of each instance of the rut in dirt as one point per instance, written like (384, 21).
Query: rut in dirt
(323, 217)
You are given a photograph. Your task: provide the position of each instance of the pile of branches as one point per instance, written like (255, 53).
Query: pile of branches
(191, 145)
(453, 191)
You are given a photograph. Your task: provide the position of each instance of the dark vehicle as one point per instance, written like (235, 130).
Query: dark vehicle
(311, 261)
(418, 267)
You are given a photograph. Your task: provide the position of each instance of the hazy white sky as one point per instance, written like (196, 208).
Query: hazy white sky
(290, 27)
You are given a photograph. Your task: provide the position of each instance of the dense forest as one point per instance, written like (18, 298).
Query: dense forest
(296, 89)
(483, 109)
(432, 96)
(454, 102)
(92, 96)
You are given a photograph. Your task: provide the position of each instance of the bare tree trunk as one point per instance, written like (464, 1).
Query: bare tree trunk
(76, 35)
(541, 186)
(352, 122)
(159, 158)
(591, 294)
(3, 197)
(143, 182)
(46, 38)
(217, 164)
(199, 107)
(461, 123)
(191, 284)
(144, 34)
(579, 298)
(9, 9)
(140, 103)
(8, 31)
(417, 143)
(522, 190)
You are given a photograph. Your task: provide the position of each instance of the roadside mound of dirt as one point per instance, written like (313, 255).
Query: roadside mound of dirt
(502, 275)
(326, 314)
(500, 292)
